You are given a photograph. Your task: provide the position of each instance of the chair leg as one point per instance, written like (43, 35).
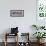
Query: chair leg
(5, 43)
(5, 40)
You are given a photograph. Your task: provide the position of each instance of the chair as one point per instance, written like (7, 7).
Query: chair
(7, 34)
(14, 32)
(25, 43)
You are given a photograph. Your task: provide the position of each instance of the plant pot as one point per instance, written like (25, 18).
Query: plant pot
(40, 41)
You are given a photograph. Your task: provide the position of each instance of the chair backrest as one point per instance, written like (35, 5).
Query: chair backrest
(14, 30)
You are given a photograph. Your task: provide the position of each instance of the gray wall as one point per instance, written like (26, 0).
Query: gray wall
(24, 23)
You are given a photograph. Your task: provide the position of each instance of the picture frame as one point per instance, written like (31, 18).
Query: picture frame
(17, 13)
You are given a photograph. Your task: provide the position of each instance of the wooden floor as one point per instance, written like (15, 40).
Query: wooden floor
(13, 44)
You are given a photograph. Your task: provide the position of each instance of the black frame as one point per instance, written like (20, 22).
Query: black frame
(17, 13)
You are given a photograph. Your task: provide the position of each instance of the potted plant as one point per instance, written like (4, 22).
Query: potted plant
(39, 35)
(42, 27)
(35, 26)
(38, 27)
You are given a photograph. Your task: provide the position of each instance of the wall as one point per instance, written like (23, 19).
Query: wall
(24, 23)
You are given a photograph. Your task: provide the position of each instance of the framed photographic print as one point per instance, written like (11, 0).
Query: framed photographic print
(17, 13)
